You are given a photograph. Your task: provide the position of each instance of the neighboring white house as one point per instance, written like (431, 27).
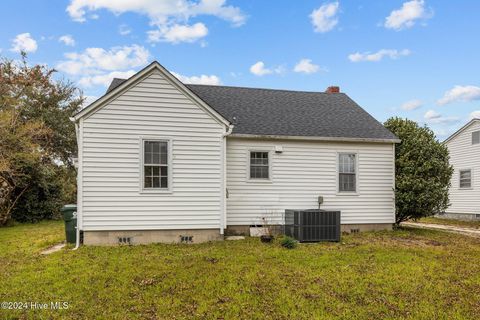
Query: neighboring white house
(161, 161)
(464, 193)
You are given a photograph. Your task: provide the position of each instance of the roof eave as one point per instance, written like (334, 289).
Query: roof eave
(313, 138)
(137, 77)
(456, 133)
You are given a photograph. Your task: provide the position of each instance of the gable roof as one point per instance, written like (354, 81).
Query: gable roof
(456, 133)
(118, 86)
(269, 112)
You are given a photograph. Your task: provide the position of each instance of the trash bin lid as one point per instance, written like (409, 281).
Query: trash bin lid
(69, 207)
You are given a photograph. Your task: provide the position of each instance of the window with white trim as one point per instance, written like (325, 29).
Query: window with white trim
(155, 165)
(347, 176)
(476, 137)
(465, 177)
(259, 165)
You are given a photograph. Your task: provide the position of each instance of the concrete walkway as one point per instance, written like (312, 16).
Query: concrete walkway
(53, 249)
(454, 229)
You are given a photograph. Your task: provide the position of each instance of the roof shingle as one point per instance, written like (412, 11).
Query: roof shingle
(289, 113)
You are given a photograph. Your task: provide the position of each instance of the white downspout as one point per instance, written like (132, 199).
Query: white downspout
(77, 229)
(223, 223)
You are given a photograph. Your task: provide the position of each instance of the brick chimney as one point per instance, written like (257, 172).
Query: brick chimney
(333, 89)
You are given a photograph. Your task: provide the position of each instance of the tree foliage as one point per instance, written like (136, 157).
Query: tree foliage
(422, 171)
(37, 141)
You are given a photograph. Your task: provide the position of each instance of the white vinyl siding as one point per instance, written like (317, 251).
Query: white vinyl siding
(465, 156)
(306, 170)
(112, 196)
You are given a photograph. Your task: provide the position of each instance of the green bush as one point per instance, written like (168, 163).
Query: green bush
(289, 243)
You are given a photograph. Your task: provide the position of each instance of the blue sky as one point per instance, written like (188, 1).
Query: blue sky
(415, 59)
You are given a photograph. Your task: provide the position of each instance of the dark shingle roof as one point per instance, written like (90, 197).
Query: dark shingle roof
(289, 113)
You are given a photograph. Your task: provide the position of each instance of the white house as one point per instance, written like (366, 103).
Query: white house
(464, 193)
(161, 161)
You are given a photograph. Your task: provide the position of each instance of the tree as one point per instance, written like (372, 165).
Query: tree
(37, 141)
(422, 171)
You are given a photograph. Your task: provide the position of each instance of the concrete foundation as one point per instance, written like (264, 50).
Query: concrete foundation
(97, 238)
(348, 228)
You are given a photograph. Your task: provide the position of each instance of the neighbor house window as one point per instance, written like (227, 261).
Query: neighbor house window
(347, 176)
(259, 165)
(465, 178)
(155, 164)
(476, 137)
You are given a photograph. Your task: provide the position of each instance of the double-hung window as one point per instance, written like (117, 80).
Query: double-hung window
(465, 178)
(259, 165)
(347, 175)
(155, 165)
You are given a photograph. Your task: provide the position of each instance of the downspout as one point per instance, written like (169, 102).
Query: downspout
(77, 229)
(224, 174)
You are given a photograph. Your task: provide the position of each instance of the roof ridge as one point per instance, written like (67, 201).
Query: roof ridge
(255, 88)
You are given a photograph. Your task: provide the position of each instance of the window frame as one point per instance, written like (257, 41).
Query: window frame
(270, 165)
(476, 132)
(460, 179)
(142, 141)
(337, 171)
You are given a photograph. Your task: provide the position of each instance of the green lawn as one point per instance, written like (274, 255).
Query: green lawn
(451, 222)
(406, 274)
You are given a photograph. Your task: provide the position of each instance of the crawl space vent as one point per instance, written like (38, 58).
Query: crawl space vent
(186, 239)
(125, 240)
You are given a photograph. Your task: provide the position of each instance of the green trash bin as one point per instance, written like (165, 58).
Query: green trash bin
(69, 212)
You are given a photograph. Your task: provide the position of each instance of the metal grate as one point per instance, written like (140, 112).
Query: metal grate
(312, 225)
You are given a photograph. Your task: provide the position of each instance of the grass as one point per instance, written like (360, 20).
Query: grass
(451, 222)
(404, 274)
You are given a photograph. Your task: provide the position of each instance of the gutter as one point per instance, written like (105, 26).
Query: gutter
(223, 223)
(77, 229)
(313, 138)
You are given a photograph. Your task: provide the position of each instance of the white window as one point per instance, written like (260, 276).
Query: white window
(155, 166)
(476, 137)
(347, 175)
(465, 178)
(259, 165)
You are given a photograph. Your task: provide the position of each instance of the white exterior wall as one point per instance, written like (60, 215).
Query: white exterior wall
(110, 162)
(464, 155)
(305, 170)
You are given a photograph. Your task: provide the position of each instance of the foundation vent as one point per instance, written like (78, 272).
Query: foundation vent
(354, 230)
(125, 240)
(186, 239)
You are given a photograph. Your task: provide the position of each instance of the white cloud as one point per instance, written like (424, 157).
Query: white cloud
(407, 15)
(124, 30)
(67, 40)
(97, 60)
(167, 15)
(325, 18)
(104, 79)
(460, 93)
(178, 33)
(24, 42)
(88, 100)
(411, 105)
(379, 55)
(434, 117)
(202, 79)
(306, 66)
(259, 69)
(475, 114)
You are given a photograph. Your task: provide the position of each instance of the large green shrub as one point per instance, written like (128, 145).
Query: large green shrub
(422, 171)
(37, 141)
